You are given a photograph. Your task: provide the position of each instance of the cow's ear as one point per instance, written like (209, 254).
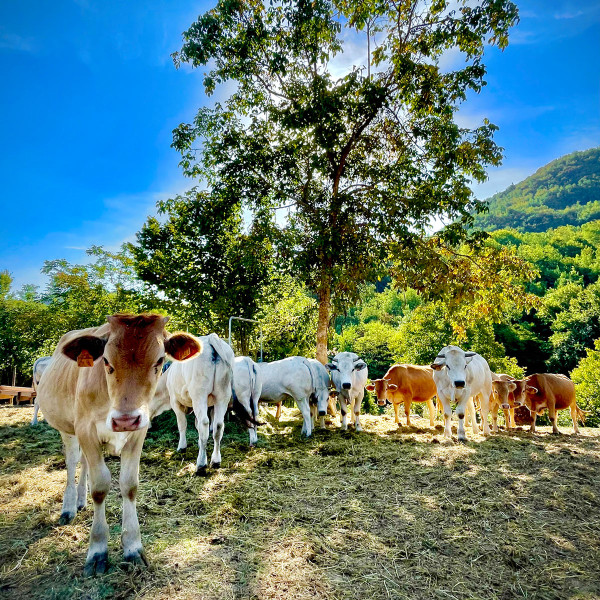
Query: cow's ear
(392, 386)
(436, 366)
(84, 343)
(359, 366)
(469, 356)
(512, 386)
(331, 367)
(182, 346)
(531, 389)
(370, 387)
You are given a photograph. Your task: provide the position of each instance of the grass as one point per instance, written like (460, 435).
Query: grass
(385, 513)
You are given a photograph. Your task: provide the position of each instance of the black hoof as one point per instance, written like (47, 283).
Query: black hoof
(201, 471)
(80, 507)
(214, 465)
(97, 565)
(136, 559)
(65, 518)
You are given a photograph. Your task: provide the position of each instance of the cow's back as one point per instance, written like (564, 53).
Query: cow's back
(289, 377)
(413, 381)
(479, 376)
(551, 385)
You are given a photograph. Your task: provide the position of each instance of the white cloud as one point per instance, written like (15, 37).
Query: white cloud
(11, 41)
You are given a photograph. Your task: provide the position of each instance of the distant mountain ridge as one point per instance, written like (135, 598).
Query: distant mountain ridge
(564, 192)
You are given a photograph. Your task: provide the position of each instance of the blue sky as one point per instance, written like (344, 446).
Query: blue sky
(89, 97)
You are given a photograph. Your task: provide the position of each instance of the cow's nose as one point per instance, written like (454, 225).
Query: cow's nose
(459, 383)
(346, 386)
(506, 406)
(322, 413)
(381, 402)
(126, 422)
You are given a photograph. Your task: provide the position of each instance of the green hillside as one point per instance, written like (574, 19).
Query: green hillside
(564, 192)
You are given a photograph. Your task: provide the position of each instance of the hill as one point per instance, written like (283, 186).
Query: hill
(564, 192)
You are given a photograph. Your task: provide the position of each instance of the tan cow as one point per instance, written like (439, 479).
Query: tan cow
(502, 396)
(99, 405)
(405, 384)
(553, 392)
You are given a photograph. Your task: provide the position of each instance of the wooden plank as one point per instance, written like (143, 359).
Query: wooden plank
(15, 389)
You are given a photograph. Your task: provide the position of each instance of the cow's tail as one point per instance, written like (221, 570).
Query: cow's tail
(313, 389)
(245, 417)
(581, 414)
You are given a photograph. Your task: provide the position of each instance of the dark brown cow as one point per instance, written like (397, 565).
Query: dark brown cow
(106, 407)
(405, 384)
(549, 391)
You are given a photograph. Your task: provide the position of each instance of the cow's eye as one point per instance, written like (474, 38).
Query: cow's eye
(158, 364)
(109, 368)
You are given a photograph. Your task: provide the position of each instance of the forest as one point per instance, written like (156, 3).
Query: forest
(559, 330)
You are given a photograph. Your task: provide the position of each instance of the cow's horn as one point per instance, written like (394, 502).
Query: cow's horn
(441, 356)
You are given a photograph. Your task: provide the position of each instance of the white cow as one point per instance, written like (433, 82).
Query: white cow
(247, 386)
(349, 375)
(295, 378)
(462, 377)
(198, 384)
(320, 377)
(39, 366)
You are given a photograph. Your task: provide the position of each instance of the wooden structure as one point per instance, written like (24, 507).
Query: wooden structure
(17, 394)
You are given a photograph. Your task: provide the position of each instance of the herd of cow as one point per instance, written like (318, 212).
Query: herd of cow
(103, 385)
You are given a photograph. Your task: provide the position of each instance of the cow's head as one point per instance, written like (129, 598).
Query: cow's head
(380, 387)
(454, 361)
(524, 393)
(501, 390)
(346, 363)
(132, 352)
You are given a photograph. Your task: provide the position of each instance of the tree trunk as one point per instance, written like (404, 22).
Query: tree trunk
(323, 323)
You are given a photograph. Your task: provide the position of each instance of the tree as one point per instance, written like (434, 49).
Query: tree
(586, 377)
(365, 158)
(203, 260)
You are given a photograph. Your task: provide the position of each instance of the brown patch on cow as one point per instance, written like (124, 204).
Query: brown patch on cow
(98, 497)
(131, 494)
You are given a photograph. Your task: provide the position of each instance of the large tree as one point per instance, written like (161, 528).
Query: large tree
(362, 145)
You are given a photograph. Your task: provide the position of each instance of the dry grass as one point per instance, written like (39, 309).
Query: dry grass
(379, 514)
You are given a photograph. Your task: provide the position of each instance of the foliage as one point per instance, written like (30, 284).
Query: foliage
(364, 158)
(586, 377)
(203, 261)
(564, 192)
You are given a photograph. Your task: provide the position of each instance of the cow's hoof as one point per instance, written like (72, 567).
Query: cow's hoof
(181, 450)
(66, 518)
(81, 507)
(137, 558)
(96, 565)
(462, 440)
(215, 465)
(556, 433)
(201, 471)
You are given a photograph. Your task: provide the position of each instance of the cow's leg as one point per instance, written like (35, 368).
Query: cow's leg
(460, 413)
(473, 415)
(495, 421)
(396, 416)
(36, 408)
(181, 424)
(218, 428)
(356, 403)
(553, 417)
(484, 407)
(97, 556)
(431, 410)
(82, 485)
(128, 481)
(344, 411)
(448, 419)
(407, 412)
(511, 414)
(307, 421)
(351, 402)
(72, 453)
(574, 417)
(278, 411)
(203, 427)
(534, 416)
(506, 418)
(253, 431)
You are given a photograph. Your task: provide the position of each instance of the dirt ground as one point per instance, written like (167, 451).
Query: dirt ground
(386, 513)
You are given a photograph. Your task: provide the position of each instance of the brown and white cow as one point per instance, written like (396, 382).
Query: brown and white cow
(553, 392)
(405, 384)
(99, 405)
(502, 396)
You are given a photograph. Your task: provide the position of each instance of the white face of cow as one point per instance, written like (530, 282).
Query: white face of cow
(346, 363)
(454, 362)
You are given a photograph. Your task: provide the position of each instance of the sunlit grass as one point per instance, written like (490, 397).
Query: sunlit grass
(387, 513)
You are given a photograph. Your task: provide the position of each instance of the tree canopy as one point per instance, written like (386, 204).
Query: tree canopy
(366, 157)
